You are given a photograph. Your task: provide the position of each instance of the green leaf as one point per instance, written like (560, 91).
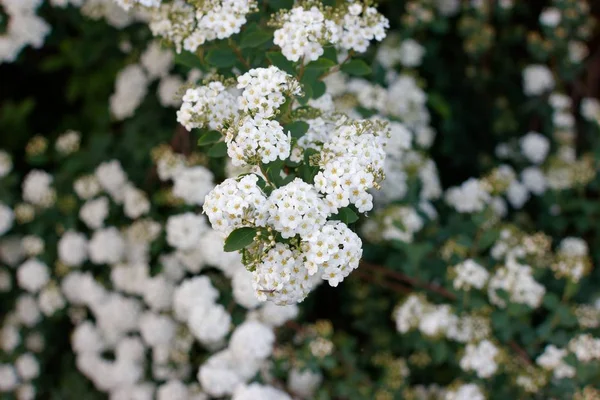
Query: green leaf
(209, 137)
(255, 39)
(321, 63)
(278, 60)
(240, 238)
(222, 57)
(218, 150)
(188, 59)
(297, 128)
(356, 67)
(346, 215)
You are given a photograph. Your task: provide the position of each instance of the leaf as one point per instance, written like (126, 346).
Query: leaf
(346, 215)
(218, 150)
(209, 137)
(222, 57)
(188, 59)
(321, 63)
(297, 128)
(255, 39)
(356, 67)
(278, 60)
(240, 238)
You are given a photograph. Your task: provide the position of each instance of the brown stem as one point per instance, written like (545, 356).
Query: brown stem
(239, 55)
(386, 284)
(412, 281)
(520, 352)
(337, 67)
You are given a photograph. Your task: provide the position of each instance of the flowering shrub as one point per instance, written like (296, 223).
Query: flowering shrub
(309, 199)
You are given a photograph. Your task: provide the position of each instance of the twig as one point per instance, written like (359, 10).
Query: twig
(520, 352)
(239, 55)
(412, 281)
(386, 284)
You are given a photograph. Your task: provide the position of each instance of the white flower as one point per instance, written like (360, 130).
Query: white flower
(252, 340)
(231, 203)
(6, 164)
(184, 230)
(209, 324)
(550, 17)
(534, 180)
(131, 87)
(537, 79)
(257, 140)
(334, 251)
(33, 275)
(94, 212)
(304, 383)
(172, 390)
(135, 202)
(68, 142)
(191, 293)
(72, 248)
(517, 194)
(193, 184)
(535, 147)
(469, 274)
(470, 197)
(37, 189)
(468, 391)
(257, 391)
(480, 359)
(7, 217)
(296, 209)
(87, 187)
(27, 367)
(411, 53)
(156, 61)
(590, 109)
(106, 246)
(8, 378)
(51, 300)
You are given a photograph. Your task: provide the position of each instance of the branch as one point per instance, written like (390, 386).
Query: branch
(520, 352)
(412, 281)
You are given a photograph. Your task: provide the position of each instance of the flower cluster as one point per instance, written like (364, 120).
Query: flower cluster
(23, 28)
(188, 26)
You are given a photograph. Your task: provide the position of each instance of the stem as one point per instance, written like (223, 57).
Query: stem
(337, 67)
(239, 54)
(412, 281)
(520, 352)
(386, 284)
(264, 172)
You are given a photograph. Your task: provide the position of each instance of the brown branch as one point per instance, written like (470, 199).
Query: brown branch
(411, 281)
(386, 284)
(239, 55)
(520, 352)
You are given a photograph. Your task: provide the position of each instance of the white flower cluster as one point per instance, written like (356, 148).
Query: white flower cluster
(24, 28)
(469, 274)
(133, 81)
(436, 321)
(210, 106)
(296, 209)
(471, 196)
(359, 25)
(552, 359)
(135, 330)
(303, 33)
(480, 358)
(351, 164)
(517, 280)
(396, 222)
(127, 4)
(233, 204)
(537, 79)
(189, 27)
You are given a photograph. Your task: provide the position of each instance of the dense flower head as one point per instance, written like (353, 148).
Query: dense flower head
(351, 164)
(236, 203)
(296, 209)
(211, 106)
(256, 140)
(189, 27)
(333, 251)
